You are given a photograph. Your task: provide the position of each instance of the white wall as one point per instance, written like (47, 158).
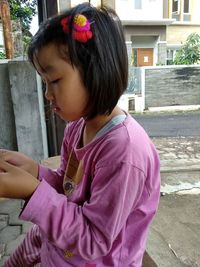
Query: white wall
(93, 2)
(1, 38)
(195, 11)
(151, 10)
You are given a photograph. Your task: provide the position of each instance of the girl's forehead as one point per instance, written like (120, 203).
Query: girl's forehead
(45, 58)
(46, 53)
(42, 67)
(51, 53)
(51, 59)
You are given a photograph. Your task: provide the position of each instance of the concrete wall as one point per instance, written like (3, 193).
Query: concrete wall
(21, 110)
(162, 53)
(7, 121)
(172, 85)
(28, 116)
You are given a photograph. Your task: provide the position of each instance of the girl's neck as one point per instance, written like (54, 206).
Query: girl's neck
(94, 125)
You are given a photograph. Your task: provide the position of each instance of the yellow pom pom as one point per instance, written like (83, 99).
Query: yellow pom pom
(80, 20)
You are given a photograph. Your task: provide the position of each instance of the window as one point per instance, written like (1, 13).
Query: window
(175, 6)
(170, 56)
(186, 7)
(138, 4)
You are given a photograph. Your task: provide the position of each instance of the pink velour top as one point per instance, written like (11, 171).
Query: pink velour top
(95, 210)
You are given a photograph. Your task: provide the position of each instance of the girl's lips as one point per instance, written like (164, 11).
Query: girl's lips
(55, 108)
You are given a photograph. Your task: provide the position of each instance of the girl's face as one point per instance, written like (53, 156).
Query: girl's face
(64, 87)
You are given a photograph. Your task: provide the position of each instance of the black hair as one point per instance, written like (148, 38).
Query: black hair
(102, 60)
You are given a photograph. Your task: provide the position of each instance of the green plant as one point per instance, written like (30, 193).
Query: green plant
(24, 11)
(170, 62)
(26, 42)
(160, 64)
(190, 51)
(2, 55)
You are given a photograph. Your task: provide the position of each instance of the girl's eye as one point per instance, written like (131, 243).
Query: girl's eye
(55, 81)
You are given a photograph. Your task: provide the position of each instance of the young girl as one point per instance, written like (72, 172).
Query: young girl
(95, 210)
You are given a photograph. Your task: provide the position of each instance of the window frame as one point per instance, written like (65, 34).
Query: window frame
(178, 7)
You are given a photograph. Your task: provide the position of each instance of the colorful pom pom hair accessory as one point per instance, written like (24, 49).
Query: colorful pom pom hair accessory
(81, 28)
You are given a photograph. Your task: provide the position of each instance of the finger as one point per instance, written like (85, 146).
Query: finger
(3, 152)
(5, 166)
(8, 156)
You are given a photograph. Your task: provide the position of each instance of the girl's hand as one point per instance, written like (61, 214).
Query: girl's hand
(20, 160)
(15, 182)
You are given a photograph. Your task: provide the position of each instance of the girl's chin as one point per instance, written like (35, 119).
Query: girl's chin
(67, 117)
(58, 112)
(61, 115)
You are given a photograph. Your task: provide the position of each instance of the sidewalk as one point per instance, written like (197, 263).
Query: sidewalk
(174, 235)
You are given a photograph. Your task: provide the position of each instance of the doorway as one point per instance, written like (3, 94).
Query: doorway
(142, 57)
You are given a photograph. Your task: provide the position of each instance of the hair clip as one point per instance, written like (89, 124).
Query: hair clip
(81, 28)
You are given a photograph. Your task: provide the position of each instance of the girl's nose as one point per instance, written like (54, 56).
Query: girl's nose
(49, 93)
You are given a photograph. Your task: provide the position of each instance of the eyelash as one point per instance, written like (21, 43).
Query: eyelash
(55, 81)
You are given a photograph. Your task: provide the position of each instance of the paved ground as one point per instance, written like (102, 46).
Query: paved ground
(165, 124)
(174, 235)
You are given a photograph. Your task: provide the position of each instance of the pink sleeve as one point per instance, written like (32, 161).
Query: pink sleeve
(55, 177)
(92, 228)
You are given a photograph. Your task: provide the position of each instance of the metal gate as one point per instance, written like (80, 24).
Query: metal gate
(55, 126)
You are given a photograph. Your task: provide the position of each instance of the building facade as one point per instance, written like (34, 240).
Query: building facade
(146, 30)
(187, 21)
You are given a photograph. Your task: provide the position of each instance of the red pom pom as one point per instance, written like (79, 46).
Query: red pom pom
(89, 34)
(82, 37)
(64, 23)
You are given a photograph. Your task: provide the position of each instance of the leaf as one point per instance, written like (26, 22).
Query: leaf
(190, 51)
